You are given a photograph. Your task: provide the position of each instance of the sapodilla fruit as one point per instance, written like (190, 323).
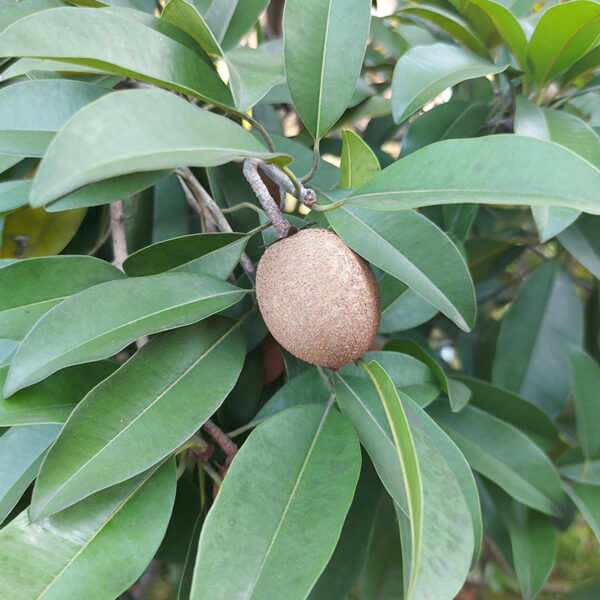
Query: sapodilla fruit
(318, 298)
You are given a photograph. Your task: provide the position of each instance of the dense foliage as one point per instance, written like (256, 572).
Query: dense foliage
(146, 416)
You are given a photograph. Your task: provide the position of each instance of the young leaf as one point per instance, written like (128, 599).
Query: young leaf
(530, 359)
(31, 112)
(582, 241)
(441, 530)
(395, 242)
(292, 511)
(425, 71)
(503, 454)
(102, 320)
(214, 254)
(563, 34)
(52, 400)
(121, 41)
(21, 452)
(114, 542)
(158, 390)
(533, 540)
(585, 382)
(588, 62)
(30, 288)
(324, 46)
(358, 163)
(172, 132)
(496, 169)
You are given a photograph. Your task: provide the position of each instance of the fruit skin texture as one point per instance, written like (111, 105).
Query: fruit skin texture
(318, 298)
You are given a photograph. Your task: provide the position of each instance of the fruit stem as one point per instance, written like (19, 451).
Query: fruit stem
(259, 188)
(315, 165)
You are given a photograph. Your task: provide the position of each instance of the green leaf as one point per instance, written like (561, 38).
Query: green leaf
(582, 241)
(582, 472)
(563, 34)
(341, 572)
(324, 46)
(52, 400)
(441, 530)
(401, 308)
(102, 320)
(496, 169)
(29, 66)
(171, 213)
(14, 194)
(231, 19)
(411, 248)
(185, 15)
(21, 452)
(30, 288)
(292, 510)
(513, 409)
(13, 10)
(31, 112)
(121, 41)
(7, 161)
(585, 382)
(425, 71)
(568, 131)
(213, 254)
(447, 21)
(587, 499)
(533, 540)
(503, 454)
(252, 73)
(381, 578)
(154, 391)
(451, 120)
(358, 163)
(530, 357)
(172, 132)
(588, 62)
(94, 550)
(508, 27)
(458, 393)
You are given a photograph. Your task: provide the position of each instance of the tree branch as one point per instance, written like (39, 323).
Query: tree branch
(221, 438)
(262, 193)
(281, 178)
(117, 228)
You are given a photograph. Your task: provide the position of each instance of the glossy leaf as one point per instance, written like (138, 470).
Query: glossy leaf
(401, 307)
(358, 163)
(213, 254)
(28, 66)
(33, 232)
(447, 21)
(21, 452)
(30, 288)
(434, 569)
(425, 71)
(585, 382)
(503, 454)
(14, 194)
(231, 19)
(402, 244)
(155, 394)
(587, 499)
(497, 169)
(95, 549)
(252, 73)
(451, 120)
(563, 34)
(533, 540)
(582, 241)
(128, 143)
(588, 62)
(186, 16)
(324, 46)
(530, 357)
(513, 409)
(121, 41)
(102, 320)
(508, 27)
(292, 510)
(458, 395)
(52, 400)
(31, 112)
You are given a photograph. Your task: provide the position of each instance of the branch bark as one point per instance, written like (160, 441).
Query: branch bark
(117, 228)
(221, 438)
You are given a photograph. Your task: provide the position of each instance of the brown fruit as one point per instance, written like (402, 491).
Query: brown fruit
(318, 298)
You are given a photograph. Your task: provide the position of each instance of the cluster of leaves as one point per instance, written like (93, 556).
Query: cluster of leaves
(490, 433)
